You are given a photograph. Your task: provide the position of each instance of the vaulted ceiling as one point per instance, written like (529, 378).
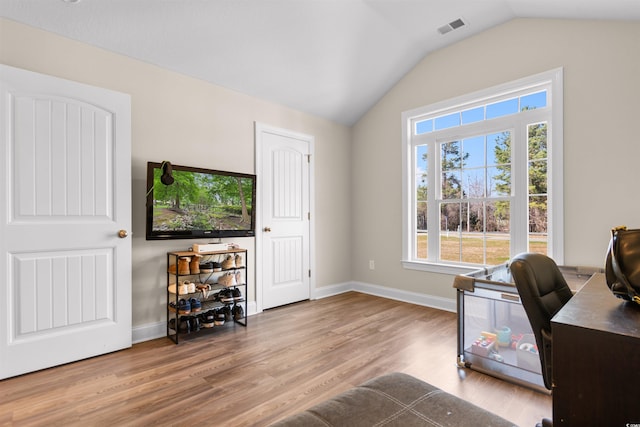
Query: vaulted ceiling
(330, 58)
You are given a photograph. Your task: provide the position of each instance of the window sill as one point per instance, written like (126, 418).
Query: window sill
(440, 268)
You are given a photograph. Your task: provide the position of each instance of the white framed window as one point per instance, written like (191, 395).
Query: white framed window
(482, 177)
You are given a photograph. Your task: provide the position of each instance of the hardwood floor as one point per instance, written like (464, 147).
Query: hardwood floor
(286, 360)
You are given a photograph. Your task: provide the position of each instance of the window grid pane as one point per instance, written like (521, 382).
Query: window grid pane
(424, 126)
(449, 121)
(450, 242)
(502, 108)
(533, 101)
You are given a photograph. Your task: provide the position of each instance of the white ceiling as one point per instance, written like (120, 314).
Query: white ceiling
(330, 58)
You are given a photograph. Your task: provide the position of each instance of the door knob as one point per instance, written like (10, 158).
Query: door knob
(267, 229)
(122, 234)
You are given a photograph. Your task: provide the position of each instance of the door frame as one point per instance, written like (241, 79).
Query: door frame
(259, 129)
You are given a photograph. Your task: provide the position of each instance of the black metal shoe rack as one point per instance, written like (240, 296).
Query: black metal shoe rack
(188, 325)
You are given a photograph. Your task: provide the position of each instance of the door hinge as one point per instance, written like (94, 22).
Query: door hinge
(309, 216)
(308, 158)
(309, 272)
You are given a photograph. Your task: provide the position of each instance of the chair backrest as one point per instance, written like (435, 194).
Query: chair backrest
(543, 292)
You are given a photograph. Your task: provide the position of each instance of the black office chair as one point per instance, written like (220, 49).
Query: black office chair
(543, 291)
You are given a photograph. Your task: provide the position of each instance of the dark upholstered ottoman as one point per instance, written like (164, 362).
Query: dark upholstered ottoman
(394, 400)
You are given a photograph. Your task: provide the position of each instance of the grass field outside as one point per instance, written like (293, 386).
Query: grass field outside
(472, 244)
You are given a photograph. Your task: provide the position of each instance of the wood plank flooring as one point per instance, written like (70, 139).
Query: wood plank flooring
(286, 360)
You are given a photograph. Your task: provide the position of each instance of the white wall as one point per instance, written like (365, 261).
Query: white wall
(190, 122)
(601, 63)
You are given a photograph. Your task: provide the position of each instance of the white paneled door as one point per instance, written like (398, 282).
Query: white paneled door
(284, 182)
(65, 253)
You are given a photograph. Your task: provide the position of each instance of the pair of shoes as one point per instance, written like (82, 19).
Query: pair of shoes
(238, 312)
(207, 320)
(183, 288)
(191, 287)
(204, 289)
(206, 267)
(183, 325)
(227, 280)
(225, 295)
(229, 263)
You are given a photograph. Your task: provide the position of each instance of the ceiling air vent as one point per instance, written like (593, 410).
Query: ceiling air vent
(453, 25)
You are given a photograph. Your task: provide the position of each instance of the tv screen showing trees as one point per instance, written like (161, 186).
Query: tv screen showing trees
(185, 202)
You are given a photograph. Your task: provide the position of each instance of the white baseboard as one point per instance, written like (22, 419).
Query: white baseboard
(151, 331)
(446, 304)
(148, 332)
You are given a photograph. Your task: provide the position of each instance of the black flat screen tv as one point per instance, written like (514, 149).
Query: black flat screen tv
(199, 203)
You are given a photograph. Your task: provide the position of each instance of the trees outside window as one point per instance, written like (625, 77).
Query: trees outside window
(477, 183)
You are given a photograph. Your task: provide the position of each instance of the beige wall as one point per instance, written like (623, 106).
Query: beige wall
(601, 63)
(190, 122)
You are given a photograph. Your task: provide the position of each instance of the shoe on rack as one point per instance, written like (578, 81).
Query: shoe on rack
(217, 266)
(225, 295)
(191, 287)
(194, 323)
(196, 305)
(229, 263)
(183, 288)
(184, 307)
(238, 261)
(194, 264)
(238, 312)
(228, 279)
(239, 278)
(204, 289)
(237, 294)
(228, 316)
(225, 280)
(183, 266)
(219, 318)
(206, 267)
(207, 320)
(183, 325)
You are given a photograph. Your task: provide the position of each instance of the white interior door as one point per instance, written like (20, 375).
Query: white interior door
(284, 182)
(65, 270)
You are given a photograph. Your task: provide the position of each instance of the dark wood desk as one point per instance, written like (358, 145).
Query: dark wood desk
(596, 359)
